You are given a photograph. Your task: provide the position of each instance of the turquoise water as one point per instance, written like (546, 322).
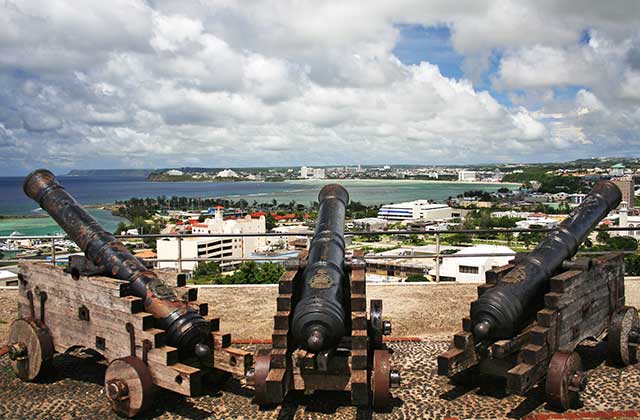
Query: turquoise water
(108, 189)
(47, 226)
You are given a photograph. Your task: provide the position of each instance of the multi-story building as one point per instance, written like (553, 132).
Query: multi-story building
(467, 176)
(312, 173)
(617, 170)
(319, 173)
(626, 186)
(218, 247)
(415, 210)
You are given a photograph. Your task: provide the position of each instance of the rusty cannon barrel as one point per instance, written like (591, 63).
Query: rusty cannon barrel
(319, 317)
(500, 311)
(186, 329)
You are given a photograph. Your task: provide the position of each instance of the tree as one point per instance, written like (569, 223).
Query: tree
(603, 237)
(622, 243)
(415, 278)
(270, 221)
(457, 238)
(207, 270)
(120, 228)
(632, 265)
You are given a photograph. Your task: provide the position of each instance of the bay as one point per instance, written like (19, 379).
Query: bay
(95, 190)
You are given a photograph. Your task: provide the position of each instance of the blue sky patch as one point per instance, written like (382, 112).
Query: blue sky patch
(433, 44)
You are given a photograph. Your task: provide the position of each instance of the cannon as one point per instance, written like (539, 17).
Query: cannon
(323, 338)
(532, 314)
(147, 323)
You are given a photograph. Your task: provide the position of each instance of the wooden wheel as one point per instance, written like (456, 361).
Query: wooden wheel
(260, 373)
(129, 386)
(30, 348)
(380, 378)
(623, 322)
(565, 379)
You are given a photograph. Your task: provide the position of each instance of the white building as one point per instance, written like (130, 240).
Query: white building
(287, 241)
(227, 173)
(467, 176)
(544, 222)
(219, 247)
(174, 172)
(312, 173)
(319, 173)
(415, 210)
(617, 170)
(472, 269)
(576, 198)
(8, 278)
(370, 224)
(627, 221)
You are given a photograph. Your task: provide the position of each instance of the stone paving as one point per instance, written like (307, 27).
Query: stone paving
(73, 391)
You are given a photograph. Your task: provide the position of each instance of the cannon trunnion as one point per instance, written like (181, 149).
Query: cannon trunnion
(323, 338)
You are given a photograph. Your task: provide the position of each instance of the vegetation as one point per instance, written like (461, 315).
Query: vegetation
(606, 242)
(457, 239)
(357, 210)
(415, 278)
(149, 207)
(549, 182)
(249, 272)
(143, 227)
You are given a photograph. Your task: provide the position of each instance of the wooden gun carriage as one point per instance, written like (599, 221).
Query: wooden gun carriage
(61, 310)
(586, 300)
(360, 365)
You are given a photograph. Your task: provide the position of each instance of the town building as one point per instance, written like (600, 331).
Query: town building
(415, 210)
(467, 176)
(312, 173)
(8, 278)
(319, 173)
(537, 221)
(227, 173)
(174, 172)
(576, 199)
(395, 265)
(472, 269)
(627, 187)
(289, 240)
(625, 220)
(370, 224)
(216, 247)
(617, 170)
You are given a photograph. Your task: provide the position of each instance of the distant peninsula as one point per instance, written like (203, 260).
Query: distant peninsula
(111, 172)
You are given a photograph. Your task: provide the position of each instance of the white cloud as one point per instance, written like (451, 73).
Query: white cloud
(246, 83)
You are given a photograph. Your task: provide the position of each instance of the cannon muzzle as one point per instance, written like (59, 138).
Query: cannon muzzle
(319, 317)
(185, 328)
(501, 310)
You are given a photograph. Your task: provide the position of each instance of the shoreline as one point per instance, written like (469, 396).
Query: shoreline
(290, 190)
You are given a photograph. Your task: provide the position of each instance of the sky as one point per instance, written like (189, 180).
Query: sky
(223, 83)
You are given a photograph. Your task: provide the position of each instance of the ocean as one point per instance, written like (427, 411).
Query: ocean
(108, 189)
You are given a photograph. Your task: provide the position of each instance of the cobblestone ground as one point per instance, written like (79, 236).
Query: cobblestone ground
(74, 391)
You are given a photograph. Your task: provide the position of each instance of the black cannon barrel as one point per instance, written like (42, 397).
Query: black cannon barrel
(185, 328)
(319, 316)
(500, 311)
